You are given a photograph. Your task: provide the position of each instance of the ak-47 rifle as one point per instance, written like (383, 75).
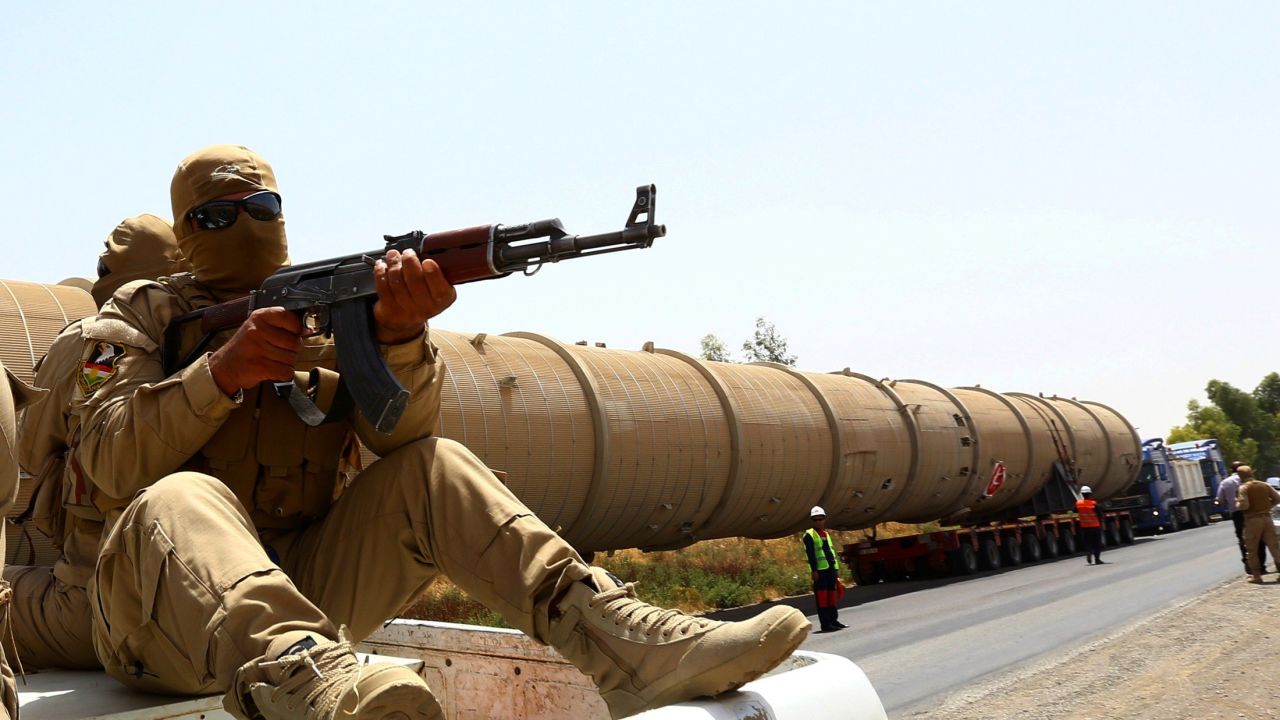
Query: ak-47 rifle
(335, 297)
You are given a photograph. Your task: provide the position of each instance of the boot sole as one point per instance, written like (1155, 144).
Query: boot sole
(788, 631)
(397, 693)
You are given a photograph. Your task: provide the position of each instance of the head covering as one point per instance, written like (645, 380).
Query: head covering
(1244, 471)
(236, 259)
(1086, 490)
(817, 512)
(140, 248)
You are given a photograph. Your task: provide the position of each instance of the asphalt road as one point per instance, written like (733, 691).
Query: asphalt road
(918, 641)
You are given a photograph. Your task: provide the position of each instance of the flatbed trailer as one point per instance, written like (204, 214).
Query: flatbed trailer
(967, 549)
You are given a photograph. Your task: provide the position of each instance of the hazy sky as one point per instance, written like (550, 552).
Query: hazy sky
(1076, 198)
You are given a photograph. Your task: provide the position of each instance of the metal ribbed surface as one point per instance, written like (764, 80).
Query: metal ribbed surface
(517, 405)
(784, 461)
(944, 475)
(1042, 452)
(876, 449)
(1003, 436)
(668, 450)
(1092, 451)
(31, 316)
(1125, 450)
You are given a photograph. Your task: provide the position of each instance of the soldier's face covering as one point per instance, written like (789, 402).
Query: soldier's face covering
(141, 247)
(235, 259)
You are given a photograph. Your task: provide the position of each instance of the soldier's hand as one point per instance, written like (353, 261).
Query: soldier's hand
(410, 291)
(263, 349)
(815, 576)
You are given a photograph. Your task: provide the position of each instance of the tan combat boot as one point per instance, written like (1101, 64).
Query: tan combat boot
(642, 657)
(327, 682)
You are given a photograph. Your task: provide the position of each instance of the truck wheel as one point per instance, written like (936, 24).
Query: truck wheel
(1174, 523)
(869, 576)
(1113, 534)
(1068, 541)
(1126, 531)
(1051, 548)
(1031, 549)
(1012, 551)
(963, 561)
(990, 553)
(1202, 512)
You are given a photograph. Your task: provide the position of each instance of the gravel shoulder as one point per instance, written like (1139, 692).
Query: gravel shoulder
(1214, 657)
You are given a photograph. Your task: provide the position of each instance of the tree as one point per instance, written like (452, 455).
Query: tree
(1255, 423)
(714, 349)
(767, 345)
(1268, 394)
(1211, 422)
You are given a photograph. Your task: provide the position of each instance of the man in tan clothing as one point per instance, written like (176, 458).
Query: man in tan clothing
(1256, 498)
(238, 572)
(50, 611)
(14, 394)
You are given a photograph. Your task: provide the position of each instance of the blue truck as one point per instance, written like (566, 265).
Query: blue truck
(1213, 465)
(1172, 491)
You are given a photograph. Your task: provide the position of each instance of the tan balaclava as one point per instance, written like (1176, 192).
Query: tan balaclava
(233, 260)
(140, 248)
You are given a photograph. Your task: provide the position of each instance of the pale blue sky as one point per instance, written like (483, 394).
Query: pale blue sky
(1075, 198)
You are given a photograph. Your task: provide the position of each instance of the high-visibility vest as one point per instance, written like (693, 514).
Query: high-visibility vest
(1088, 512)
(822, 550)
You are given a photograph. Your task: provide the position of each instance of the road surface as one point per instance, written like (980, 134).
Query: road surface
(919, 641)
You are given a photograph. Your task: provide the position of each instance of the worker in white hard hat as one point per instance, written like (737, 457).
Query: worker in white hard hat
(825, 566)
(1090, 526)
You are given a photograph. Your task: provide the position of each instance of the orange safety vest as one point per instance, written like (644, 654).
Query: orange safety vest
(1088, 512)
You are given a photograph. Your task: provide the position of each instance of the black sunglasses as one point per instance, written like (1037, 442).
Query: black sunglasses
(221, 214)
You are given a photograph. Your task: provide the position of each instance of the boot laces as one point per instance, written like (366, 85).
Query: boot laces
(625, 606)
(341, 673)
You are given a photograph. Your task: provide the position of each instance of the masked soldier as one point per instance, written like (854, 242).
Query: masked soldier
(235, 568)
(50, 610)
(14, 394)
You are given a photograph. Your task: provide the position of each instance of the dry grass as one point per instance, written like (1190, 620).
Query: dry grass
(710, 575)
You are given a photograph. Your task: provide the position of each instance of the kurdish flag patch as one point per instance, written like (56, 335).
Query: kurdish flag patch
(100, 366)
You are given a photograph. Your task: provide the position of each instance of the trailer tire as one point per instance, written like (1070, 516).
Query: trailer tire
(963, 561)
(1051, 550)
(1068, 540)
(870, 577)
(1031, 549)
(1113, 533)
(1126, 531)
(990, 553)
(1012, 551)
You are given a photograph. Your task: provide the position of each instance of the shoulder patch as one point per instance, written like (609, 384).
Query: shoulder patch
(99, 366)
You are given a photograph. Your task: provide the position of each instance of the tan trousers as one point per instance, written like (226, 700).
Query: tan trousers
(187, 594)
(1259, 529)
(51, 626)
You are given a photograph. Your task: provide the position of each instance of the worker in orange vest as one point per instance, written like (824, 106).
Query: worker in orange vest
(1090, 526)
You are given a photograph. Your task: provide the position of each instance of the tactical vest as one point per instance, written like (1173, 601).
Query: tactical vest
(284, 473)
(822, 550)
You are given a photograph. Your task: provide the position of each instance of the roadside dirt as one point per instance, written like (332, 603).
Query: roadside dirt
(1216, 657)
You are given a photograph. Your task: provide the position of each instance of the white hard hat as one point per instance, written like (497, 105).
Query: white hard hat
(817, 511)
(1086, 490)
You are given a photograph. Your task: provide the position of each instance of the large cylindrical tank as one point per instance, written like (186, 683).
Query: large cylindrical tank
(32, 315)
(655, 449)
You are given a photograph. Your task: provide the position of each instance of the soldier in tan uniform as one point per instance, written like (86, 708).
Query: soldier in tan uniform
(14, 394)
(1255, 499)
(50, 612)
(250, 566)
